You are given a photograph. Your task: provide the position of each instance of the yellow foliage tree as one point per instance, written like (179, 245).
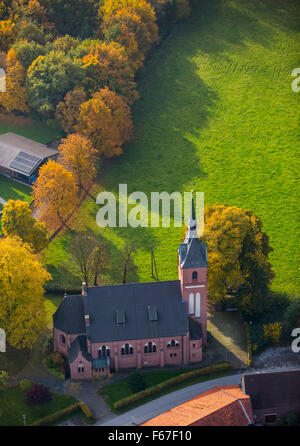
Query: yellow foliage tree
(79, 156)
(22, 307)
(238, 252)
(18, 221)
(7, 33)
(106, 121)
(107, 65)
(15, 96)
(55, 194)
(137, 15)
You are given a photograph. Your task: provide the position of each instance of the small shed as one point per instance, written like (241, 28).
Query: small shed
(21, 158)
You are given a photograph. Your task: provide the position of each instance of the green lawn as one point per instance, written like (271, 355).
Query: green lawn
(36, 130)
(13, 406)
(121, 389)
(217, 113)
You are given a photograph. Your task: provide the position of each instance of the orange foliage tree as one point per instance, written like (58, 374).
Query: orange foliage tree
(55, 193)
(79, 156)
(137, 15)
(15, 96)
(67, 111)
(107, 65)
(7, 33)
(106, 121)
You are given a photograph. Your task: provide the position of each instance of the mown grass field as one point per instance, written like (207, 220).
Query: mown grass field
(217, 113)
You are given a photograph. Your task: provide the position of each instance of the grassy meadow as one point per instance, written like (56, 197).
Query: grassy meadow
(217, 113)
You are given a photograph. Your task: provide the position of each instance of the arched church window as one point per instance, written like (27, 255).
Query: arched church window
(127, 349)
(150, 347)
(173, 343)
(103, 352)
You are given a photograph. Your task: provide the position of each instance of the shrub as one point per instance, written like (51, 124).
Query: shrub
(38, 394)
(273, 331)
(85, 409)
(50, 419)
(223, 366)
(25, 384)
(137, 382)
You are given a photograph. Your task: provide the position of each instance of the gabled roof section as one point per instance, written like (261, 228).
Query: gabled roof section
(219, 406)
(69, 317)
(79, 345)
(273, 389)
(193, 254)
(102, 302)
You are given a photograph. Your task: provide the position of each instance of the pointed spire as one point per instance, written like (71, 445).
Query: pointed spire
(192, 224)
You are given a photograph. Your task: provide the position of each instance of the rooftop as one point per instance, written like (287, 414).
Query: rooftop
(220, 406)
(21, 154)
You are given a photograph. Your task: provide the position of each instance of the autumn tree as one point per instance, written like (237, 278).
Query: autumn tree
(107, 65)
(67, 111)
(22, 280)
(55, 193)
(15, 96)
(106, 121)
(49, 78)
(79, 157)
(238, 252)
(18, 221)
(7, 34)
(137, 15)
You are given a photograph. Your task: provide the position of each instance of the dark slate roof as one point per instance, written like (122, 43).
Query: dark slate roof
(193, 254)
(195, 330)
(69, 317)
(274, 389)
(79, 345)
(101, 304)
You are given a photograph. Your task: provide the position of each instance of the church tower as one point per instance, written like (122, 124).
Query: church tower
(192, 269)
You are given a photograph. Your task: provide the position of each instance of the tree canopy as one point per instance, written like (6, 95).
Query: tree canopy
(22, 307)
(238, 252)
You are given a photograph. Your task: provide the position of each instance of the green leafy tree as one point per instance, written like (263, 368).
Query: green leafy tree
(18, 221)
(49, 78)
(27, 52)
(238, 252)
(31, 32)
(292, 315)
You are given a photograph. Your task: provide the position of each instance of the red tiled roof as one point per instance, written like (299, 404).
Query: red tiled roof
(220, 406)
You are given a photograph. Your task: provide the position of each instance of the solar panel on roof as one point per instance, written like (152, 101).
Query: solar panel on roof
(25, 162)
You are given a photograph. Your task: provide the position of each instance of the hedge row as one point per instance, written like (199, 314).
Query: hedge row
(52, 371)
(56, 415)
(50, 419)
(222, 366)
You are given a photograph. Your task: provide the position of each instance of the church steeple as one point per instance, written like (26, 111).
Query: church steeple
(192, 224)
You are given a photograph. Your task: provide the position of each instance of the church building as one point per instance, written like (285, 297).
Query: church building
(140, 324)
